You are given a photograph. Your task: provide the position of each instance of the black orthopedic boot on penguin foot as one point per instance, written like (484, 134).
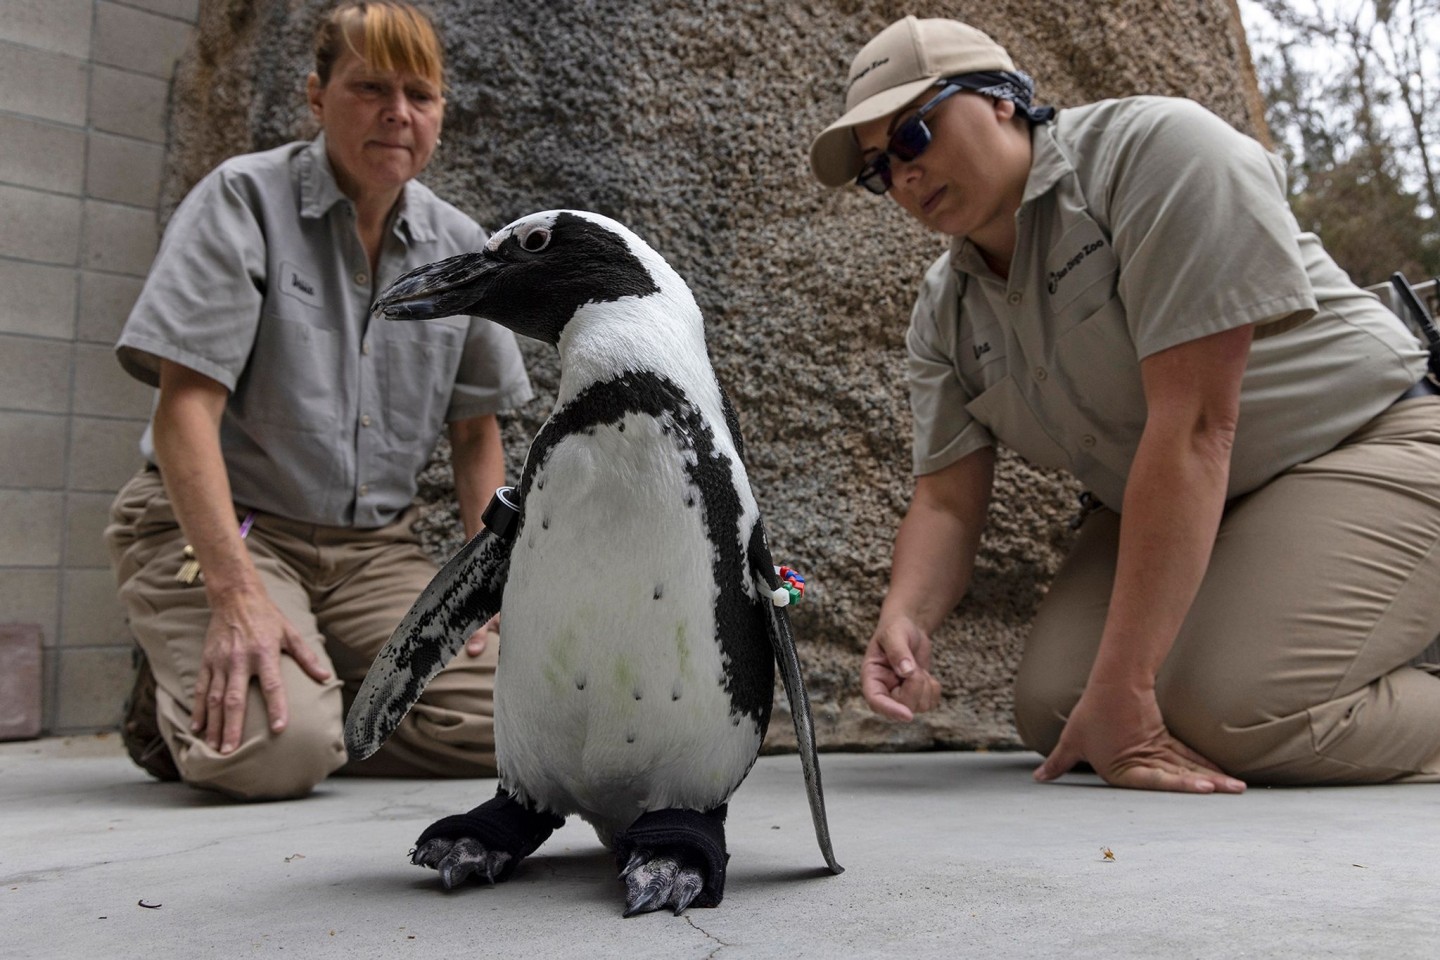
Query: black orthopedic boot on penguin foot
(673, 859)
(486, 843)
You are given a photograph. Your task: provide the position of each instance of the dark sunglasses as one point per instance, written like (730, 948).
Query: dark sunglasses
(909, 140)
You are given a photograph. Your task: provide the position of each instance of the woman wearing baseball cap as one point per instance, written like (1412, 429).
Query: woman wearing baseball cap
(1128, 297)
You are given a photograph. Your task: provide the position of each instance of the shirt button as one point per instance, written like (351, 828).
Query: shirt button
(1040, 373)
(365, 348)
(1014, 298)
(362, 278)
(365, 420)
(1087, 441)
(364, 489)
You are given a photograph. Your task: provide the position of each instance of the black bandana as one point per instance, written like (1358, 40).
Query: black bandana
(1015, 86)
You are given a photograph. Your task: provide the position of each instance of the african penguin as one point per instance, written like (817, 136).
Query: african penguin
(640, 618)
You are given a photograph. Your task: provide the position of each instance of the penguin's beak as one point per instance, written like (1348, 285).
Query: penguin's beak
(441, 289)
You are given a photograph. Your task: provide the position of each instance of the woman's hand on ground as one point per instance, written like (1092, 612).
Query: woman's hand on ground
(1118, 730)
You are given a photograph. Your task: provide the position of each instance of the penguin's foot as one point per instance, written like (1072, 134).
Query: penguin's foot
(486, 843)
(459, 860)
(673, 858)
(658, 879)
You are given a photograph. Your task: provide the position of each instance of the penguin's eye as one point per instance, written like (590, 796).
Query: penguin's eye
(536, 240)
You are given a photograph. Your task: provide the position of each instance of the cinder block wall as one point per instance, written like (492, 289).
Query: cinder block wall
(84, 87)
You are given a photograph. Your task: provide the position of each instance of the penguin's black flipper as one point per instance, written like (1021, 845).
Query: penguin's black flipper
(783, 641)
(462, 596)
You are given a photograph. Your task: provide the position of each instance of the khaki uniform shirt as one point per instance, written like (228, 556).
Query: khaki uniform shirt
(1146, 223)
(261, 283)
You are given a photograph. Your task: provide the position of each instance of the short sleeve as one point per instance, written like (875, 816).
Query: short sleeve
(1202, 228)
(944, 430)
(201, 302)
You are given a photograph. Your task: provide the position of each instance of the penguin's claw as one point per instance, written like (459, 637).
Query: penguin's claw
(636, 859)
(654, 881)
(430, 853)
(688, 884)
(458, 860)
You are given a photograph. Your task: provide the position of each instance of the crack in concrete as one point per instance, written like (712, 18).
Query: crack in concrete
(709, 936)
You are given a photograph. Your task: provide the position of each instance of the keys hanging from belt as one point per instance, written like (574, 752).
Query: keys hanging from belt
(190, 570)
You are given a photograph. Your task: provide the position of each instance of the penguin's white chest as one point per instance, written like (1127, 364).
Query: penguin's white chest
(611, 692)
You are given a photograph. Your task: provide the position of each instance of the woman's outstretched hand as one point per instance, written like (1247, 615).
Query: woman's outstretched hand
(895, 674)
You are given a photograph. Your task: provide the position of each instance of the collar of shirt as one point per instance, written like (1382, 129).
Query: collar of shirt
(1048, 166)
(319, 192)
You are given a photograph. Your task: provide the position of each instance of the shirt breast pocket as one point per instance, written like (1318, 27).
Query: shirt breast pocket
(421, 359)
(1004, 412)
(981, 351)
(1080, 274)
(1096, 362)
(289, 380)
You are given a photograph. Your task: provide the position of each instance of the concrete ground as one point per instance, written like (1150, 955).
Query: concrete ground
(947, 854)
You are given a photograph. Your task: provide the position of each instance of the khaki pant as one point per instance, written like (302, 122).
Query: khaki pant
(1293, 664)
(344, 591)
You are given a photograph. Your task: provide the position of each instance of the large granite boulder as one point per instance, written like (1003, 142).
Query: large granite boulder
(690, 122)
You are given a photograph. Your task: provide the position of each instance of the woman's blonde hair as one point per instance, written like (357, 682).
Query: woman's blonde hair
(386, 34)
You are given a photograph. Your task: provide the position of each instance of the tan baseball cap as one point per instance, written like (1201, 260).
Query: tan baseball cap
(890, 71)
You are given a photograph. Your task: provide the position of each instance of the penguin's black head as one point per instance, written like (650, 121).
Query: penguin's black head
(531, 277)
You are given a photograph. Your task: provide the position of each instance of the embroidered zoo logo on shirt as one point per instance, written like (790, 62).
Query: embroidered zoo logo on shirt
(1065, 269)
(301, 286)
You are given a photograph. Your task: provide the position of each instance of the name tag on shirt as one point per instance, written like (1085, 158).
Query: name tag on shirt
(302, 286)
(982, 347)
